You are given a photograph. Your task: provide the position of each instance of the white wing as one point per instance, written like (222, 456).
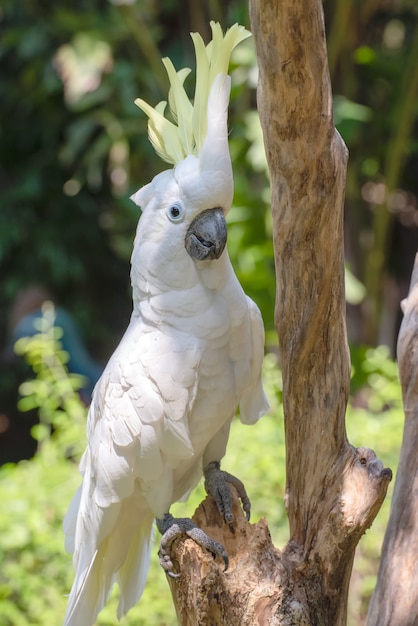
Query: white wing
(137, 434)
(254, 403)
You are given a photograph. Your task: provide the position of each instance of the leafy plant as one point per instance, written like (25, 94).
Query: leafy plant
(53, 391)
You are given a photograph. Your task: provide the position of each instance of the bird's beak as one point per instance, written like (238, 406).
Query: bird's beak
(206, 235)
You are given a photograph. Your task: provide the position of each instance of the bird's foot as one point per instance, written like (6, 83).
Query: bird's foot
(171, 528)
(217, 484)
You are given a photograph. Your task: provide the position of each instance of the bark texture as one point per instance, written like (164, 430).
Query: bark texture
(395, 600)
(334, 491)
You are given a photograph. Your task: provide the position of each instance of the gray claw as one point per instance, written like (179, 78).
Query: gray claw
(216, 484)
(171, 528)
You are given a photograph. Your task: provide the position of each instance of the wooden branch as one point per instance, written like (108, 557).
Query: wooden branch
(307, 160)
(247, 593)
(395, 599)
(333, 490)
(264, 585)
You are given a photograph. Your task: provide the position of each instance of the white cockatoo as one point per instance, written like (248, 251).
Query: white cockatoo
(192, 354)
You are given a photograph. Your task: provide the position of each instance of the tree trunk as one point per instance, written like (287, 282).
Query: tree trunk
(395, 599)
(334, 491)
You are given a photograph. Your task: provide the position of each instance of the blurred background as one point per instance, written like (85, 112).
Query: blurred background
(73, 147)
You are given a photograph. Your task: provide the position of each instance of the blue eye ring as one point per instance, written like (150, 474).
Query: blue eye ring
(175, 212)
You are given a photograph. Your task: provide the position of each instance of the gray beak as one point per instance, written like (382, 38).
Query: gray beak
(206, 235)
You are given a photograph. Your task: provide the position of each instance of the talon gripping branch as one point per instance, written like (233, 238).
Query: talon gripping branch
(192, 353)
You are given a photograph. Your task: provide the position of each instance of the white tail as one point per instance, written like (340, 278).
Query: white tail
(122, 556)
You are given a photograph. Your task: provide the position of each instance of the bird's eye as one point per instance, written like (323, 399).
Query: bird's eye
(175, 212)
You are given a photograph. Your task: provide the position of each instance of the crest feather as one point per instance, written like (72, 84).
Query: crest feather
(174, 140)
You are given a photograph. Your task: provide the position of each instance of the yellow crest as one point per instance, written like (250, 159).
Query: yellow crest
(174, 140)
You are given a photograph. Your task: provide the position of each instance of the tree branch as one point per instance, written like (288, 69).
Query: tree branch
(307, 160)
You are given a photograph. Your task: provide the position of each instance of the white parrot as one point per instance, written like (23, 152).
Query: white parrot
(192, 353)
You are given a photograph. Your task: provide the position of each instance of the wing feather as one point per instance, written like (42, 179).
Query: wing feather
(254, 403)
(138, 432)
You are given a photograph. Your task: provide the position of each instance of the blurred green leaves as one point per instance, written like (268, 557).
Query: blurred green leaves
(53, 391)
(350, 118)
(81, 65)
(74, 146)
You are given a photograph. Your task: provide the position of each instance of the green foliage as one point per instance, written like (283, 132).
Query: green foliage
(372, 51)
(36, 574)
(54, 390)
(74, 145)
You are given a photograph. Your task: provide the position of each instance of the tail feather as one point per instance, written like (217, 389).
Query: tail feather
(89, 594)
(133, 573)
(70, 521)
(122, 556)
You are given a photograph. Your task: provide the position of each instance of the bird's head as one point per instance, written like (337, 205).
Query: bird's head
(192, 199)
